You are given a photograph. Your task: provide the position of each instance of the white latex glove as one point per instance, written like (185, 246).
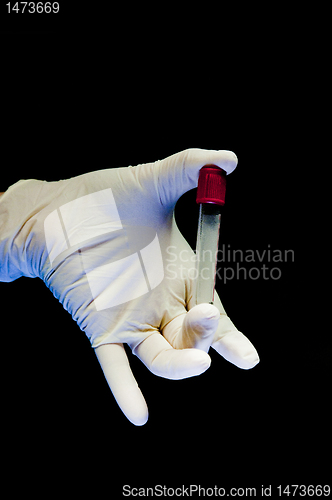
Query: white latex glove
(107, 245)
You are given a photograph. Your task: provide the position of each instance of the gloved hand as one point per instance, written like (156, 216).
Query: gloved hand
(107, 245)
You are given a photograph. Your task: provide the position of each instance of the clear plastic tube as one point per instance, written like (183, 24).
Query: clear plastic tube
(206, 252)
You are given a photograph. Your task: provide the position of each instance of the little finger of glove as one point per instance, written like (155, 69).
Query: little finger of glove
(115, 365)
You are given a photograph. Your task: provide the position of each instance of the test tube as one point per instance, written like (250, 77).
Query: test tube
(211, 191)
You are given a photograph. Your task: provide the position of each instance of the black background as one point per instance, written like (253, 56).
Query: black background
(81, 98)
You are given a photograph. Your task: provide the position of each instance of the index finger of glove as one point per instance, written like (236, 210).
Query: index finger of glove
(115, 365)
(175, 364)
(179, 173)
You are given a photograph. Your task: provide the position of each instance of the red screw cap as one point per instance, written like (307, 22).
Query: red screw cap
(211, 185)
